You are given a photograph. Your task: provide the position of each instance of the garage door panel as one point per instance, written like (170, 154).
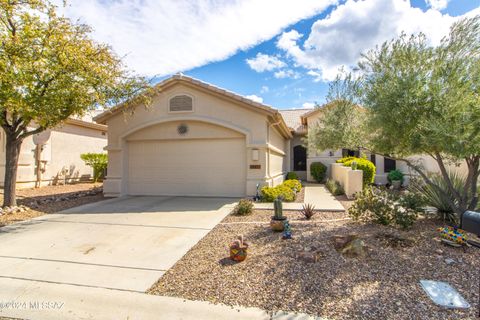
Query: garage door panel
(213, 167)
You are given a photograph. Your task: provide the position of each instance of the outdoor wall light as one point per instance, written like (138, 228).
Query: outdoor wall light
(330, 153)
(255, 155)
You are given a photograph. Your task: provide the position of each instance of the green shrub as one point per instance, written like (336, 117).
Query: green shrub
(363, 164)
(292, 176)
(395, 175)
(334, 187)
(412, 200)
(382, 207)
(318, 171)
(244, 207)
(271, 193)
(293, 184)
(98, 161)
(345, 159)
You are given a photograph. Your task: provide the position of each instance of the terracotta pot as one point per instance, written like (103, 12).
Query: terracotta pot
(238, 254)
(277, 225)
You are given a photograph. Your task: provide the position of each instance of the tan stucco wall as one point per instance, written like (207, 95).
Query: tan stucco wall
(278, 158)
(62, 150)
(213, 110)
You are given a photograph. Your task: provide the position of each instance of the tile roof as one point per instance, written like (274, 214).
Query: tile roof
(293, 119)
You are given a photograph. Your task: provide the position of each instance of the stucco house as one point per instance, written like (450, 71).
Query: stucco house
(200, 140)
(57, 158)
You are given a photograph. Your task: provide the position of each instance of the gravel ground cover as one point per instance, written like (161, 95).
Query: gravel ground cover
(275, 275)
(37, 202)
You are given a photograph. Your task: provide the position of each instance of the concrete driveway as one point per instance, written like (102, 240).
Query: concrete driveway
(125, 243)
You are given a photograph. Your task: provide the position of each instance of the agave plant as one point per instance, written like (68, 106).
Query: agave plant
(308, 211)
(435, 198)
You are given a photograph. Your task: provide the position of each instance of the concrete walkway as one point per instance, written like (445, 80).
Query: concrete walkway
(321, 198)
(48, 301)
(315, 194)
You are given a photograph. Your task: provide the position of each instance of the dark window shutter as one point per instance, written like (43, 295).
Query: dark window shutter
(389, 165)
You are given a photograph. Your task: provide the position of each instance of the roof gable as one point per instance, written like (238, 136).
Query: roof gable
(273, 114)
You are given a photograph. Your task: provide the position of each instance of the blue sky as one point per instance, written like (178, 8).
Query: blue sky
(282, 53)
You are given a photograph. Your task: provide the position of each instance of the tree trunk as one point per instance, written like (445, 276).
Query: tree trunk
(13, 146)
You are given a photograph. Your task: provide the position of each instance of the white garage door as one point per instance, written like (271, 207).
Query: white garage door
(215, 167)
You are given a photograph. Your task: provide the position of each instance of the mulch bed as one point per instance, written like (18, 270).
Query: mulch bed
(382, 285)
(300, 196)
(51, 199)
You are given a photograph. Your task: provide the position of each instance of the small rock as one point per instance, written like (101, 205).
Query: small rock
(439, 251)
(449, 261)
(309, 257)
(355, 248)
(340, 241)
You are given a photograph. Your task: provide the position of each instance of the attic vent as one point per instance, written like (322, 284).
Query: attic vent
(181, 103)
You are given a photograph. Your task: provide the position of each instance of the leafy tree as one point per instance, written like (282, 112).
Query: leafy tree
(50, 70)
(418, 99)
(98, 161)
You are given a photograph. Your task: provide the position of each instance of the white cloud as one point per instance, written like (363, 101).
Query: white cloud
(163, 37)
(286, 73)
(255, 98)
(356, 27)
(264, 62)
(264, 89)
(437, 4)
(309, 105)
(317, 76)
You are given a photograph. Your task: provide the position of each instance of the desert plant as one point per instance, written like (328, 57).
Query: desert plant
(292, 176)
(318, 171)
(293, 184)
(395, 175)
(308, 210)
(354, 165)
(363, 164)
(382, 207)
(334, 187)
(412, 200)
(238, 249)
(434, 194)
(244, 207)
(278, 210)
(98, 161)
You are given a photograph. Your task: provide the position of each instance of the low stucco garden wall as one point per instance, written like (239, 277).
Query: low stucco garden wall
(350, 180)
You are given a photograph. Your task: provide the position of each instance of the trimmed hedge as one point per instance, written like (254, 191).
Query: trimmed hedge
(292, 175)
(346, 159)
(286, 190)
(318, 171)
(363, 164)
(293, 184)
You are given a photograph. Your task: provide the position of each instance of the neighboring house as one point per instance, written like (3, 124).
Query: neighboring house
(59, 159)
(200, 140)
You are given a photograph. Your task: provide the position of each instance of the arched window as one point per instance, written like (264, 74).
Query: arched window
(299, 158)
